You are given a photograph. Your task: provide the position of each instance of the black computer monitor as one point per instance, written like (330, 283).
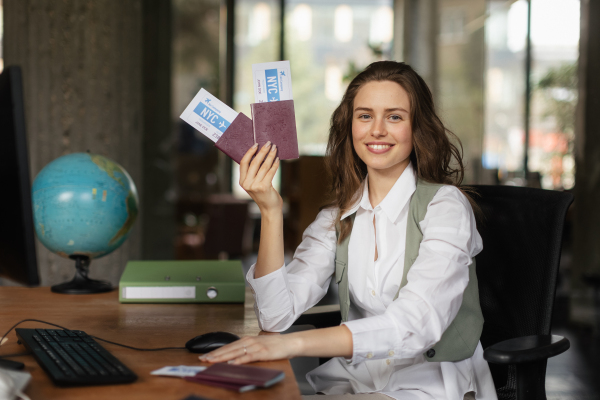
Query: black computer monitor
(18, 260)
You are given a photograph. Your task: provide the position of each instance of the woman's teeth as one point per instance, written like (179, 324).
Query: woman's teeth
(379, 146)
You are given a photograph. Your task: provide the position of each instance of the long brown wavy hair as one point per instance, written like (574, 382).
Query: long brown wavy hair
(435, 157)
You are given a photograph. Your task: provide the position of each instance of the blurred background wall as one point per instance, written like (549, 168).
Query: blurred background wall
(513, 79)
(82, 68)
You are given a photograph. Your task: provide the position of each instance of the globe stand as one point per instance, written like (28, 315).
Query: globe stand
(81, 284)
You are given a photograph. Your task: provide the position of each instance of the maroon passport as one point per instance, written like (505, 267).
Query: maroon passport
(237, 139)
(240, 378)
(276, 121)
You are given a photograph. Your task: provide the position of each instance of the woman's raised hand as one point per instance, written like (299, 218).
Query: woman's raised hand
(256, 176)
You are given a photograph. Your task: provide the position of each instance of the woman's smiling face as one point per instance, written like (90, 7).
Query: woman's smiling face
(381, 128)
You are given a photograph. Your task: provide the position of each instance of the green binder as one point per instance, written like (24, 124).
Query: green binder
(182, 282)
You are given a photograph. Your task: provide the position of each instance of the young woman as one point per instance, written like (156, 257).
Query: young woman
(399, 239)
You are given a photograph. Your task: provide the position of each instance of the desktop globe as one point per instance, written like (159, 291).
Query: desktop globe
(84, 206)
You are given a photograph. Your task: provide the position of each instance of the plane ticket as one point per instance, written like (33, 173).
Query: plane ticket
(272, 81)
(208, 115)
(180, 371)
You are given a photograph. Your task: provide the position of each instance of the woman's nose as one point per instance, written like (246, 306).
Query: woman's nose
(378, 128)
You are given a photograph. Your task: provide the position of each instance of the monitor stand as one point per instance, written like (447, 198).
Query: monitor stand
(81, 284)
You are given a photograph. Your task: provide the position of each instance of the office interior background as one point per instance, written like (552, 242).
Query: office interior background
(516, 81)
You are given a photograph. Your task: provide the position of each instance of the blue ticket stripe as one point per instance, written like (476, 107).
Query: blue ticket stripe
(272, 85)
(211, 117)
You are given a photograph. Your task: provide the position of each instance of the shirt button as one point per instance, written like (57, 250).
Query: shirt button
(390, 353)
(373, 292)
(369, 355)
(388, 361)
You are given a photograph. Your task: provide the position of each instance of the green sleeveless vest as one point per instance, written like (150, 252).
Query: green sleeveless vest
(462, 336)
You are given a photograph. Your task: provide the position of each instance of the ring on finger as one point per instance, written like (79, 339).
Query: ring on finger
(245, 351)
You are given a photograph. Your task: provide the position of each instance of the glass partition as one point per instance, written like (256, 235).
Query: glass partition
(506, 35)
(554, 43)
(555, 51)
(328, 42)
(460, 92)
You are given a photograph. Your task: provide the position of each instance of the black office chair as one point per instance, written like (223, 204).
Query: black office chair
(517, 271)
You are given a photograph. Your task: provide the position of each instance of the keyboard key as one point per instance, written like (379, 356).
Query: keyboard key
(58, 349)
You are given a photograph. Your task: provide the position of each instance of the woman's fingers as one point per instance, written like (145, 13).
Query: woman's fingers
(272, 171)
(266, 165)
(228, 352)
(245, 162)
(249, 349)
(258, 160)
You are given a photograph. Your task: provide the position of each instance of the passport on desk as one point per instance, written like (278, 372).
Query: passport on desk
(240, 378)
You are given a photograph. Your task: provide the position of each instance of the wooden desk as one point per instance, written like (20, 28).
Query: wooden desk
(139, 325)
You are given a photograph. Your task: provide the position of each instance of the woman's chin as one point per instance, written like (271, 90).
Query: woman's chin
(386, 167)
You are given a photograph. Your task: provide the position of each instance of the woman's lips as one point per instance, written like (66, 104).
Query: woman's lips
(379, 148)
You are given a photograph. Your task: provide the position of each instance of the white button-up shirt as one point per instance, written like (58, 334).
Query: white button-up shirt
(389, 336)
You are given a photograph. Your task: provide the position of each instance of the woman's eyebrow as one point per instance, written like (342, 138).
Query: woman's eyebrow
(386, 110)
(396, 109)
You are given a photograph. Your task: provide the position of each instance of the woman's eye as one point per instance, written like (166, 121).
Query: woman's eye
(395, 118)
(364, 116)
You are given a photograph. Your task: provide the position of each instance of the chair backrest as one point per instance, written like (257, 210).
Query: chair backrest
(517, 270)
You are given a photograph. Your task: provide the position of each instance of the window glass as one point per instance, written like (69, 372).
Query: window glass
(460, 96)
(554, 41)
(555, 50)
(328, 42)
(506, 34)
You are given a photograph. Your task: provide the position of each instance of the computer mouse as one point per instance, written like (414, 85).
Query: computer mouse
(210, 341)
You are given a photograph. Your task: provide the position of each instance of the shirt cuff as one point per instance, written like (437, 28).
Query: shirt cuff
(374, 338)
(271, 293)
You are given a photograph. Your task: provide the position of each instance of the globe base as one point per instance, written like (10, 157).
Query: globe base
(81, 284)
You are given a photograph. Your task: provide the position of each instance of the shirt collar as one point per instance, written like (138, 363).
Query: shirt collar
(394, 201)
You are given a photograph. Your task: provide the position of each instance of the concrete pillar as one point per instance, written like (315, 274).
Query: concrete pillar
(419, 38)
(158, 220)
(82, 71)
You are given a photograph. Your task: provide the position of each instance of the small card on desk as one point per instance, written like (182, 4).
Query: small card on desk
(180, 371)
(240, 378)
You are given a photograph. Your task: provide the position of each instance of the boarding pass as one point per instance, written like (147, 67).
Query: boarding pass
(272, 81)
(208, 115)
(180, 371)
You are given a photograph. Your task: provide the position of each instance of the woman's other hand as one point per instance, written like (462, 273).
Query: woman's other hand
(328, 342)
(255, 348)
(256, 176)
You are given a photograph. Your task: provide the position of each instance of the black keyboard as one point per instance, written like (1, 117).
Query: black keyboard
(72, 358)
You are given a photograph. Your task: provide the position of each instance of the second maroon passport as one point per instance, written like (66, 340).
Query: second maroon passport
(237, 139)
(237, 377)
(276, 122)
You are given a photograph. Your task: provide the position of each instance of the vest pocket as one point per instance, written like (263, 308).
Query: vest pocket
(340, 268)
